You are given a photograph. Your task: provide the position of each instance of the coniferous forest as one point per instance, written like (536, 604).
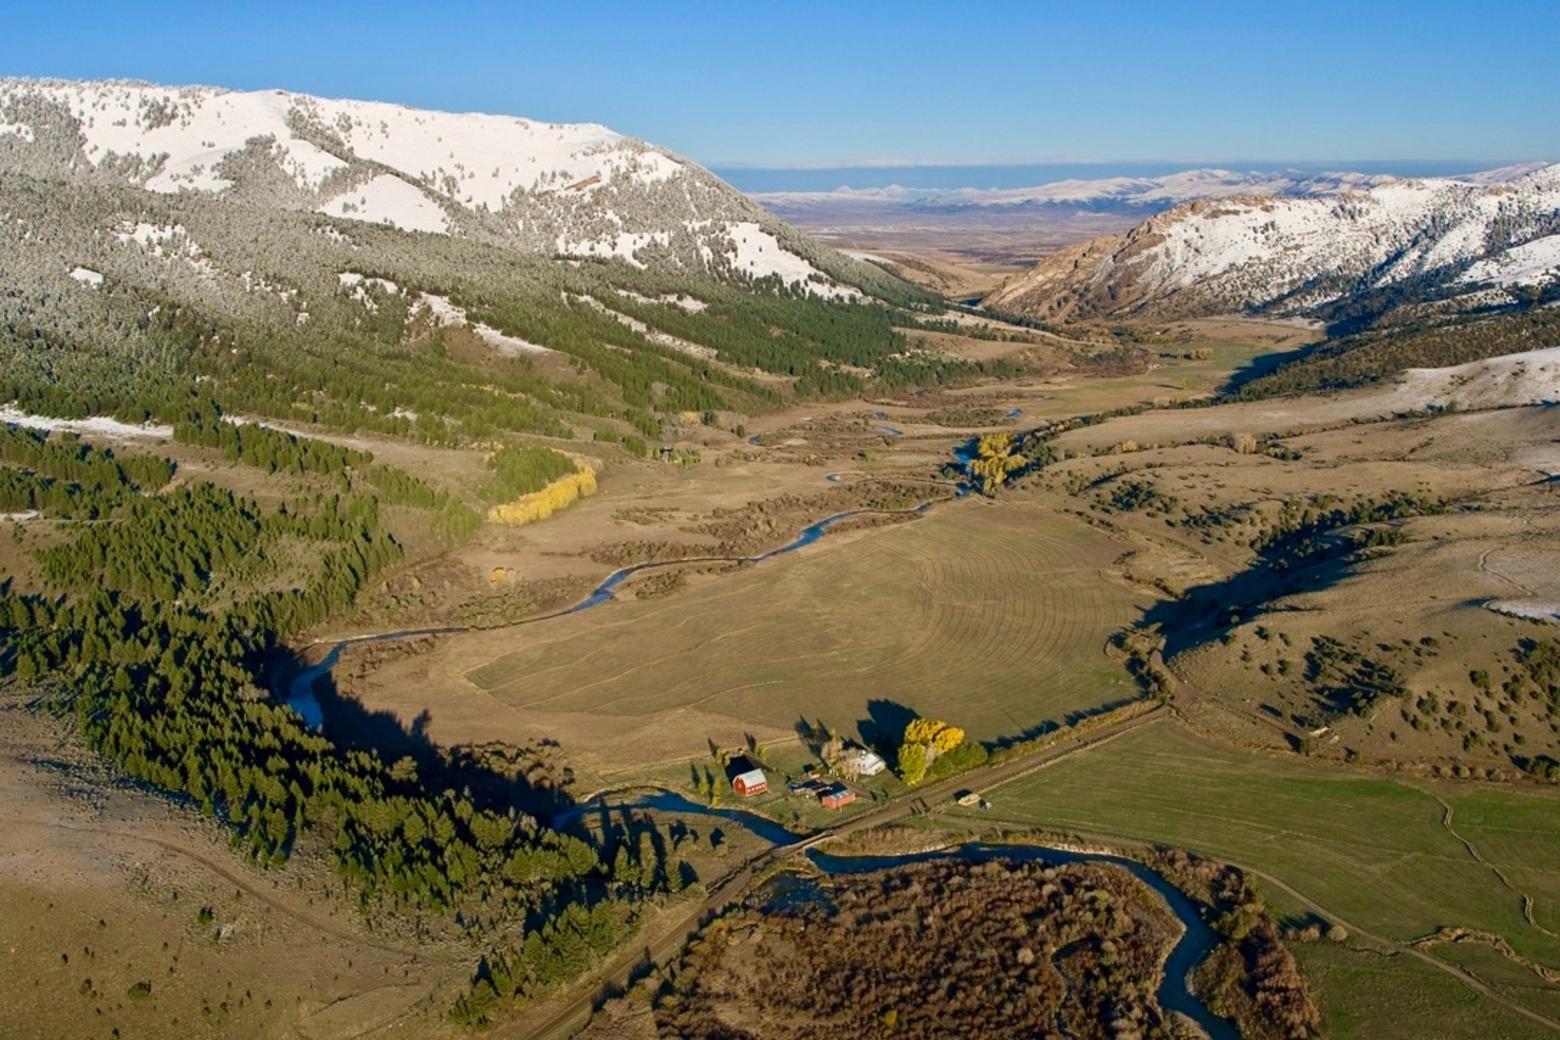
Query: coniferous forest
(268, 343)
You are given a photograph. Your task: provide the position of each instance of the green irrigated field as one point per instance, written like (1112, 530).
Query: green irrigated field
(1371, 850)
(1363, 993)
(1521, 835)
(994, 617)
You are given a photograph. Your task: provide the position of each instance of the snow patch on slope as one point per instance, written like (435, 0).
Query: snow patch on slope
(357, 285)
(655, 336)
(308, 164)
(169, 242)
(444, 312)
(1531, 377)
(150, 237)
(100, 425)
(388, 199)
(625, 246)
(759, 254)
(1532, 263)
(688, 303)
(1531, 609)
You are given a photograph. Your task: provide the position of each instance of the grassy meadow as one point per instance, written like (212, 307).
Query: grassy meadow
(994, 617)
(1370, 849)
(1367, 994)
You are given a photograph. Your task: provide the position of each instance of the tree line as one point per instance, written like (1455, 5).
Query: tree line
(164, 686)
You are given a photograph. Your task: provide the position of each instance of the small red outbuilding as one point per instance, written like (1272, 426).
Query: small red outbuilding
(837, 797)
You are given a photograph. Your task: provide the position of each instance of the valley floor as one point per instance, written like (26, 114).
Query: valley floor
(997, 615)
(1400, 819)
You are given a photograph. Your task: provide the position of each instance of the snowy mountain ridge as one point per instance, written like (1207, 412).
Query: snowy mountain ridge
(1436, 243)
(566, 189)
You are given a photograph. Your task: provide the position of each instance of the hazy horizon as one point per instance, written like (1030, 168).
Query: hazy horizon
(759, 179)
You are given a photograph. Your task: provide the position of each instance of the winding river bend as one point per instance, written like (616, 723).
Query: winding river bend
(1174, 995)
(1196, 942)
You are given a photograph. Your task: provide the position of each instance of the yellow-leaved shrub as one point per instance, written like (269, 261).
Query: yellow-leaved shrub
(539, 505)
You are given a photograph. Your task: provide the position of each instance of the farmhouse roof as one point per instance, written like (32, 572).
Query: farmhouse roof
(865, 759)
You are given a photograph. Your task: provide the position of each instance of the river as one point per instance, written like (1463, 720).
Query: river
(1196, 942)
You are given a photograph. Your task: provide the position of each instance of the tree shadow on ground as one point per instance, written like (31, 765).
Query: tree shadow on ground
(1264, 364)
(884, 727)
(499, 776)
(1072, 718)
(1206, 612)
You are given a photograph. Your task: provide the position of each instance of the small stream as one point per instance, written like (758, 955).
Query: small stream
(300, 689)
(300, 692)
(1174, 995)
(300, 696)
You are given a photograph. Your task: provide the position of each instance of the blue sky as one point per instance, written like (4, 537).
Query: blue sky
(813, 83)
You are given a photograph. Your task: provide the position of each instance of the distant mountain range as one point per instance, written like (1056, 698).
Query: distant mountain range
(570, 190)
(1114, 195)
(1339, 249)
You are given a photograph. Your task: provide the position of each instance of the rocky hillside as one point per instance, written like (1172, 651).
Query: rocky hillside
(1400, 249)
(571, 190)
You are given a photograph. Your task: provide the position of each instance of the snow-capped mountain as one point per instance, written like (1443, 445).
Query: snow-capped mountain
(1483, 241)
(576, 190)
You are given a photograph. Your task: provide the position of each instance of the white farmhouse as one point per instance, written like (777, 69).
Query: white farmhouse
(862, 761)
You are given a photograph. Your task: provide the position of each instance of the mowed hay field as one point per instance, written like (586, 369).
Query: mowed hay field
(993, 616)
(1373, 850)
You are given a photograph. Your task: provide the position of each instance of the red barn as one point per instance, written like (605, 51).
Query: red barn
(750, 782)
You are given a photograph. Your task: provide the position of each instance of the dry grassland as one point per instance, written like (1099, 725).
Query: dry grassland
(995, 616)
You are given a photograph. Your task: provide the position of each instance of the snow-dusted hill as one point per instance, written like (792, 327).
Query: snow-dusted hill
(564, 189)
(1427, 243)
